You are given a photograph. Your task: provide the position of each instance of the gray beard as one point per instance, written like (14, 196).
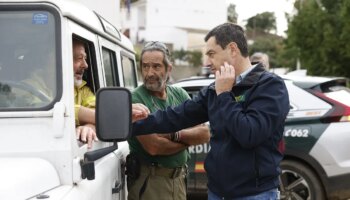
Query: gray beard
(154, 87)
(77, 82)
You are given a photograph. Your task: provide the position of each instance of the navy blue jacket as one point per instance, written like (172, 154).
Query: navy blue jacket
(247, 125)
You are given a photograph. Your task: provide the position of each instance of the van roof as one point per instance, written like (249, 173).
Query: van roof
(84, 16)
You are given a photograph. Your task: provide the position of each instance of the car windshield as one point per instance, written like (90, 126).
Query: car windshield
(27, 59)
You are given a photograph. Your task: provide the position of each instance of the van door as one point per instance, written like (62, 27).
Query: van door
(113, 76)
(107, 169)
(33, 128)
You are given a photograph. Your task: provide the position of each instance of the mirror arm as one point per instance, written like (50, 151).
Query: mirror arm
(99, 153)
(88, 165)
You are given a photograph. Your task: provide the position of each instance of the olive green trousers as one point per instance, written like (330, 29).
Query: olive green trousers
(157, 183)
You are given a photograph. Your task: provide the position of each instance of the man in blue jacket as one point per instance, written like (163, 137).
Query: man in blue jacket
(246, 107)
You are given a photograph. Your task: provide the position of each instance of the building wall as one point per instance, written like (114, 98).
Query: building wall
(174, 22)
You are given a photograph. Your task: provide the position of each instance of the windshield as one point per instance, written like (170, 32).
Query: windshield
(27, 59)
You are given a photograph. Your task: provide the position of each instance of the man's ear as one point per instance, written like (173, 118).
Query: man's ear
(170, 67)
(233, 48)
(168, 72)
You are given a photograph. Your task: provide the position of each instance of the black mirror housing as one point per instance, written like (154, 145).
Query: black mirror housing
(113, 114)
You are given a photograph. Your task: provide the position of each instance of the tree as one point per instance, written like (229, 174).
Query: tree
(320, 35)
(265, 22)
(194, 58)
(268, 46)
(274, 47)
(262, 40)
(231, 13)
(180, 54)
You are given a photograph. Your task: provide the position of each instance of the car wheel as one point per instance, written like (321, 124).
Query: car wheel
(298, 181)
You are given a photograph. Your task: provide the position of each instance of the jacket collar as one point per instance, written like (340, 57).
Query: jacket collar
(253, 76)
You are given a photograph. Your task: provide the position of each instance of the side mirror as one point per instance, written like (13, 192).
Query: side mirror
(113, 124)
(113, 114)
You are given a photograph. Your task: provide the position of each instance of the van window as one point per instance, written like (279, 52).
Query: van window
(91, 74)
(109, 64)
(28, 59)
(129, 73)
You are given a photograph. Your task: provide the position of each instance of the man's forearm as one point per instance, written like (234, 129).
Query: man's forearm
(86, 115)
(196, 135)
(160, 145)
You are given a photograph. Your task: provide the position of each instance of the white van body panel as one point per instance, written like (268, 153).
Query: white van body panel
(39, 153)
(33, 175)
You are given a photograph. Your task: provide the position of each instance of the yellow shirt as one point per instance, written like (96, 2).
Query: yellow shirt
(83, 96)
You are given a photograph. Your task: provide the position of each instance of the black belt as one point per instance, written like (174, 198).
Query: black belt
(163, 171)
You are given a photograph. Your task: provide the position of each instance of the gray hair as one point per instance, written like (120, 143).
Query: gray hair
(157, 46)
(262, 58)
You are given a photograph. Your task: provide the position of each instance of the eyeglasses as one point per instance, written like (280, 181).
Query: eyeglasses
(157, 45)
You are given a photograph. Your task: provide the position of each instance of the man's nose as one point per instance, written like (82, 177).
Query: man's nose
(207, 62)
(151, 71)
(85, 64)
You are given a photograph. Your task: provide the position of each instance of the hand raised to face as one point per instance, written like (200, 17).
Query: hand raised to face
(224, 78)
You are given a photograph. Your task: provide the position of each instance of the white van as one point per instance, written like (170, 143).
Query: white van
(40, 157)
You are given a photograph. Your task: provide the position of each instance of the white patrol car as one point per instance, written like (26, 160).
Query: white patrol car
(316, 165)
(40, 157)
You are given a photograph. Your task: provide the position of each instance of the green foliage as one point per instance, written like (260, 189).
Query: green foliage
(267, 46)
(194, 58)
(319, 33)
(180, 54)
(265, 21)
(266, 42)
(274, 47)
(231, 13)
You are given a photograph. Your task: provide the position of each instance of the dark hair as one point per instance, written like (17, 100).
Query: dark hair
(227, 33)
(157, 46)
(76, 41)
